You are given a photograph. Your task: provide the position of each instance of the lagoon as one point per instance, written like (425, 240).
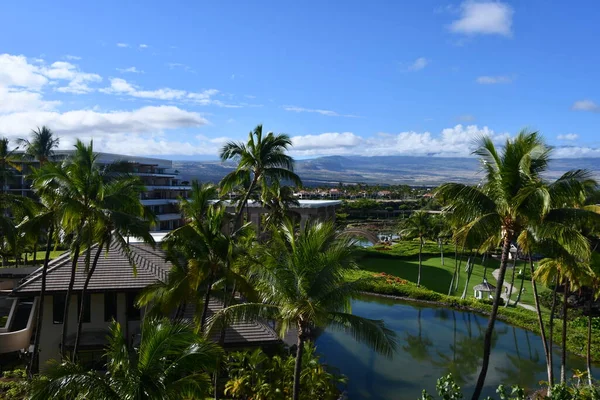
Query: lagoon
(432, 342)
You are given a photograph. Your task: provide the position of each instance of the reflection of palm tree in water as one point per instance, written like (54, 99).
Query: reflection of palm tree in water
(522, 371)
(418, 345)
(466, 350)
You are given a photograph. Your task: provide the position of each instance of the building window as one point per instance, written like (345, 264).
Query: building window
(58, 308)
(110, 306)
(87, 312)
(133, 312)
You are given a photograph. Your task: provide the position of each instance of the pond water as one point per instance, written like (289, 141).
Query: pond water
(433, 342)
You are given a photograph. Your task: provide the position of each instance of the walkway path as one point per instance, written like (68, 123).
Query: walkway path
(509, 289)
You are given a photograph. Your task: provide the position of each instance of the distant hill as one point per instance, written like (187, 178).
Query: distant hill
(391, 170)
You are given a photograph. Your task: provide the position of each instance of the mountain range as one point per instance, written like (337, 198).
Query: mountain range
(383, 170)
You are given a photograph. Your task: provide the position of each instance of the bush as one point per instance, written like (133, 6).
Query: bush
(14, 385)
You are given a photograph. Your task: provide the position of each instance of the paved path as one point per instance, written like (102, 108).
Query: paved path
(509, 289)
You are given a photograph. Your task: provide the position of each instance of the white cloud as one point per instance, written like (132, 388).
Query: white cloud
(122, 45)
(576, 152)
(72, 57)
(418, 64)
(327, 141)
(328, 113)
(121, 86)
(17, 74)
(90, 122)
(585, 105)
(16, 71)
(492, 80)
(485, 18)
(23, 100)
(78, 80)
(456, 142)
(568, 137)
(132, 70)
(143, 46)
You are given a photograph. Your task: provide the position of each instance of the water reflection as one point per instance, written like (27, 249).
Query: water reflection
(433, 342)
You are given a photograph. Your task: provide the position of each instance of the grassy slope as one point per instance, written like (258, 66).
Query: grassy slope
(401, 261)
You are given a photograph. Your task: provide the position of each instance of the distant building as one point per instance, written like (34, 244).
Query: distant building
(163, 184)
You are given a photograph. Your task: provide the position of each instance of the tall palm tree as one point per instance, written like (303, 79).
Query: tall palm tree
(9, 162)
(46, 220)
(171, 362)
(303, 287)
(42, 144)
(202, 255)
(418, 225)
(76, 182)
(512, 196)
(117, 214)
(262, 160)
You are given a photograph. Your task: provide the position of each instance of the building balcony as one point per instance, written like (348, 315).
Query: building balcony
(169, 217)
(165, 187)
(159, 202)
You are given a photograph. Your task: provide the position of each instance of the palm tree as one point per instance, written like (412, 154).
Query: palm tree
(202, 255)
(46, 219)
(171, 362)
(76, 182)
(277, 200)
(9, 162)
(117, 213)
(42, 144)
(303, 286)
(418, 226)
(261, 160)
(512, 196)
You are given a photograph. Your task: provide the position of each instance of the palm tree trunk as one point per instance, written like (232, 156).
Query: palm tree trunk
(240, 213)
(298, 364)
(442, 252)
(512, 282)
(83, 293)
(68, 300)
(455, 269)
(484, 263)
(469, 270)
(563, 357)
(520, 288)
(589, 342)
(457, 281)
(40, 315)
(420, 262)
(35, 247)
(487, 343)
(551, 336)
(205, 305)
(538, 311)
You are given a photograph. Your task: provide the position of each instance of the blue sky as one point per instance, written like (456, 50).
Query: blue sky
(177, 79)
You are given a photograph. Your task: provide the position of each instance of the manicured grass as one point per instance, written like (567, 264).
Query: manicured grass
(400, 261)
(40, 256)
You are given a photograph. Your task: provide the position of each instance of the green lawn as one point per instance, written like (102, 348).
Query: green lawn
(40, 256)
(437, 277)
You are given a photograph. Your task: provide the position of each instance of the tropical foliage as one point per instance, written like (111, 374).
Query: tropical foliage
(170, 362)
(255, 375)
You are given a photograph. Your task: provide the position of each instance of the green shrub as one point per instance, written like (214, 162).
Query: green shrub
(14, 385)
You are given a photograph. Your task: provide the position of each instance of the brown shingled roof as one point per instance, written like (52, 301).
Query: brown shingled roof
(113, 272)
(240, 333)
